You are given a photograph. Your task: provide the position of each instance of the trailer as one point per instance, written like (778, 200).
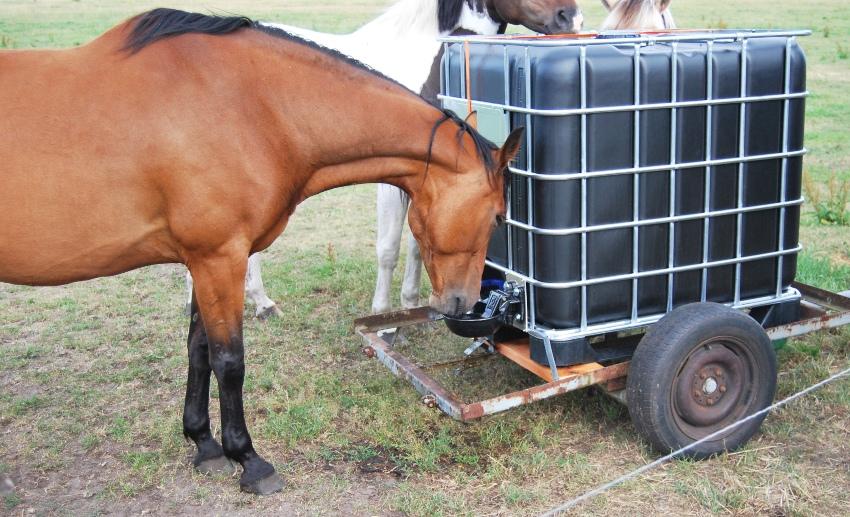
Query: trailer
(651, 237)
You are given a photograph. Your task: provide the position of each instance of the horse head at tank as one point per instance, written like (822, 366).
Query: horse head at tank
(453, 246)
(546, 16)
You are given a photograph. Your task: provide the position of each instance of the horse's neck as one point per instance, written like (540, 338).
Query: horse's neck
(667, 18)
(403, 42)
(478, 22)
(384, 138)
(418, 18)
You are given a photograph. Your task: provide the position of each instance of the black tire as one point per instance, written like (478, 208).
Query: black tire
(700, 368)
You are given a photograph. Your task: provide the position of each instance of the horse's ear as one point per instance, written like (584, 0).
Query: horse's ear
(472, 119)
(511, 147)
(609, 4)
(663, 5)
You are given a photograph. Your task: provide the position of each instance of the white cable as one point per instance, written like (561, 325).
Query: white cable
(649, 466)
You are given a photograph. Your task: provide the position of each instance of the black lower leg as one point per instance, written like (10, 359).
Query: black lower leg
(228, 364)
(196, 417)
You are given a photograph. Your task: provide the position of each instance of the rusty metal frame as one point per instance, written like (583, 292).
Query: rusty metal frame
(435, 394)
(820, 310)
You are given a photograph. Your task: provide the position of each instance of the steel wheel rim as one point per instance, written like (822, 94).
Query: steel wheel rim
(715, 385)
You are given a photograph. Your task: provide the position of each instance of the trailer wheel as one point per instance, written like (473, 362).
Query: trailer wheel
(699, 369)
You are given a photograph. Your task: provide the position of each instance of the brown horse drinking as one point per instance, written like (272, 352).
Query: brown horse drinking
(166, 141)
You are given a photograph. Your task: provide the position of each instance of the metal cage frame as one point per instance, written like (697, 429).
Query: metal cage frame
(529, 323)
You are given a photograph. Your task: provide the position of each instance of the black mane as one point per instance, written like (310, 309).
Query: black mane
(449, 11)
(483, 146)
(163, 23)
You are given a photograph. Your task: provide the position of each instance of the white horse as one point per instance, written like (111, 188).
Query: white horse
(402, 44)
(638, 14)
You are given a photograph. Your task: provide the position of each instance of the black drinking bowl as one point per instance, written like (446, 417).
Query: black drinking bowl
(473, 324)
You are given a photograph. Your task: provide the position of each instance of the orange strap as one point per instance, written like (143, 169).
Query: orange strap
(468, 78)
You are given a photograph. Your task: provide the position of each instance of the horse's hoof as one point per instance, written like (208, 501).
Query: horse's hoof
(264, 486)
(269, 312)
(220, 466)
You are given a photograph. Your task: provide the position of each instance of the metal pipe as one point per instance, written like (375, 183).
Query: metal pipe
(742, 141)
(583, 81)
(671, 241)
(657, 220)
(642, 107)
(783, 189)
(588, 40)
(636, 185)
(709, 93)
(658, 168)
(642, 274)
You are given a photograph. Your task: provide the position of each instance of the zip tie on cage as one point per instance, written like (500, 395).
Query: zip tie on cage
(649, 466)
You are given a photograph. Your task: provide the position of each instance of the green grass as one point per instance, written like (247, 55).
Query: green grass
(92, 375)
(823, 272)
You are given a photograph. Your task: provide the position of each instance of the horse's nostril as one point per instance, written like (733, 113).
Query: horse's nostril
(563, 18)
(568, 19)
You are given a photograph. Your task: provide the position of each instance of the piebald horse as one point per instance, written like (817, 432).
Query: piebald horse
(638, 14)
(183, 138)
(402, 44)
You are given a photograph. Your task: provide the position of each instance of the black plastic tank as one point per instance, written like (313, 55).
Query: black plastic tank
(549, 78)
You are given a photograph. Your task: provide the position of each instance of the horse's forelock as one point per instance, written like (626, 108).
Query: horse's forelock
(633, 14)
(449, 11)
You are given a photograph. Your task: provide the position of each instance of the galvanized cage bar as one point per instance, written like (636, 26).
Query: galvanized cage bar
(542, 112)
(529, 161)
(671, 237)
(658, 220)
(783, 189)
(583, 93)
(742, 142)
(709, 112)
(631, 39)
(656, 168)
(636, 185)
(509, 210)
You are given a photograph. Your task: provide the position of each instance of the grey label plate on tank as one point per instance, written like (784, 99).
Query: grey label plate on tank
(492, 122)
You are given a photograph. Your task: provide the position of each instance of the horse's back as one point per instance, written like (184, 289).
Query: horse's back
(88, 134)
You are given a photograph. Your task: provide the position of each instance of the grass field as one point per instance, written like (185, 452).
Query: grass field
(92, 374)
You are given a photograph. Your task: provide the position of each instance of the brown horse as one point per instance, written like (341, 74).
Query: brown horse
(165, 141)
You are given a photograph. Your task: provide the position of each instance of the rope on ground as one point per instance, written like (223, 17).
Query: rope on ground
(649, 466)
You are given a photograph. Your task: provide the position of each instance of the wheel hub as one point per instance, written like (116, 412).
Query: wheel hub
(709, 385)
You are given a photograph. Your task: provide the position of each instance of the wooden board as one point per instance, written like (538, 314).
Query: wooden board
(519, 352)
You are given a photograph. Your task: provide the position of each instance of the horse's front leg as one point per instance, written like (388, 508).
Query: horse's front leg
(210, 458)
(219, 282)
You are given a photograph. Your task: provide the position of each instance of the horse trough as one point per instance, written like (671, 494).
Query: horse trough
(651, 236)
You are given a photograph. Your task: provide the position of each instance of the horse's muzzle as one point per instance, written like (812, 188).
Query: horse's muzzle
(451, 304)
(566, 20)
